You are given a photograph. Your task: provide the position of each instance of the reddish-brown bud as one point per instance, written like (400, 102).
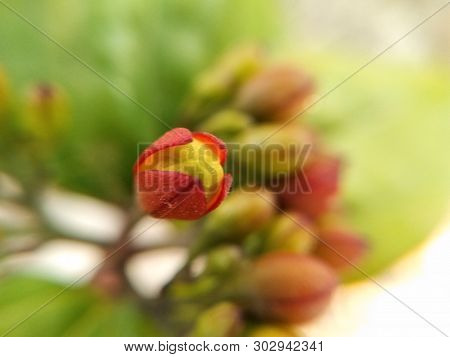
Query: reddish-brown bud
(316, 196)
(181, 175)
(289, 287)
(340, 248)
(277, 93)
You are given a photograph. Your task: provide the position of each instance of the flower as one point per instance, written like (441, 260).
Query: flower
(181, 175)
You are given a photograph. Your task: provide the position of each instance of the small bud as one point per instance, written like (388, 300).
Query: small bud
(276, 94)
(271, 153)
(285, 234)
(322, 176)
(4, 92)
(46, 115)
(340, 248)
(226, 123)
(223, 259)
(221, 320)
(214, 87)
(242, 213)
(288, 287)
(272, 330)
(181, 175)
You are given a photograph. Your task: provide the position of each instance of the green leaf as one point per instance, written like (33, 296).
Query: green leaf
(36, 307)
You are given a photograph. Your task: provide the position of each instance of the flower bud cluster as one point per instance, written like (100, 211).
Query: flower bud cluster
(282, 238)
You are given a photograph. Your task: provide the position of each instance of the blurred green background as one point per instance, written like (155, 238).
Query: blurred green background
(390, 121)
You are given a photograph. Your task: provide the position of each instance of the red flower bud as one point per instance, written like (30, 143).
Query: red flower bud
(322, 176)
(181, 175)
(340, 248)
(289, 287)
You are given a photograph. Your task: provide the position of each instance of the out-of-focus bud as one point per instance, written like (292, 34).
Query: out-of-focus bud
(46, 112)
(244, 211)
(226, 123)
(181, 175)
(340, 248)
(223, 259)
(3, 91)
(289, 234)
(221, 320)
(216, 86)
(271, 153)
(288, 287)
(321, 174)
(276, 94)
(272, 330)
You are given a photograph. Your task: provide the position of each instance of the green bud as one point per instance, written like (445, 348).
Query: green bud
(221, 320)
(271, 152)
(223, 259)
(286, 235)
(216, 86)
(46, 112)
(242, 213)
(226, 124)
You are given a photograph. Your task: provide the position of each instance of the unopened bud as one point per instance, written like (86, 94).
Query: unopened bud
(226, 123)
(276, 94)
(272, 153)
(289, 233)
(322, 176)
(288, 287)
(221, 320)
(46, 114)
(241, 213)
(215, 86)
(181, 175)
(223, 259)
(340, 248)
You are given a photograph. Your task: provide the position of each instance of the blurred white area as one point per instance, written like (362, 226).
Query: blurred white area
(81, 215)
(370, 26)
(59, 260)
(420, 280)
(14, 216)
(151, 231)
(150, 271)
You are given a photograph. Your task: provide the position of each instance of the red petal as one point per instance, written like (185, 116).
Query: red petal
(218, 145)
(174, 137)
(170, 194)
(222, 193)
